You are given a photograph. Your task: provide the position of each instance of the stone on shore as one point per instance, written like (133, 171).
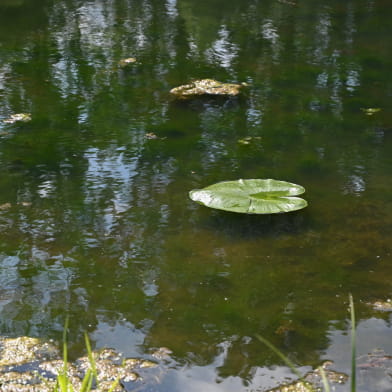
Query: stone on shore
(32, 365)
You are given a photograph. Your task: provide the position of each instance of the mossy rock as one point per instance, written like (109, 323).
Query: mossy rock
(206, 87)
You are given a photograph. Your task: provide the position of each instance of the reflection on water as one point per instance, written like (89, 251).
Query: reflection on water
(222, 52)
(95, 219)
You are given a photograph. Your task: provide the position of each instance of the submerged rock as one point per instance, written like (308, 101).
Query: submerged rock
(31, 365)
(375, 369)
(377, 359)
(297, 386)
(21, 350)
(206, 87)
(313, 380)
(162, 353)
(127, 62)
(18, 117)
(7, 206)
(384, 306)
(151, 136)
(249, 140)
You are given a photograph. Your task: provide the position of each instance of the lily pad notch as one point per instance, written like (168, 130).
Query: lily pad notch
(251, 196)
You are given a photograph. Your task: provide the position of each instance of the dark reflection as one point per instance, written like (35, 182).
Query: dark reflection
(238, 226)
(95, 219)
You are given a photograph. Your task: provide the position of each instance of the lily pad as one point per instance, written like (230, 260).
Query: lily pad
(251, 196)
(206, 87)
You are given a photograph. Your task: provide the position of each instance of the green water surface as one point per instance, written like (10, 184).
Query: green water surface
(95, 219)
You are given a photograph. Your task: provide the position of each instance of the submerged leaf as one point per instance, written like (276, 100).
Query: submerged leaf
(253, 196)
(370, 111)
(18, 117)
(126, 62)
(248, 140)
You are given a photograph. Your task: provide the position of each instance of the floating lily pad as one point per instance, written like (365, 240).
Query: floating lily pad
(253, 196)
(206, 87)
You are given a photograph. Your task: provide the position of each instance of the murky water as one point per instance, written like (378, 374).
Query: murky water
(95, 218)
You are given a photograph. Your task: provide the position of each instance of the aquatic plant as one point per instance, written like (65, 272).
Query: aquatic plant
(63, 382)
(353, 346)
(303, 383)
(252, 196)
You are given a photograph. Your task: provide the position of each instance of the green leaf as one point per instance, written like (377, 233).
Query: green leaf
(91, 359)
(353, 345)
(370, 111)
(324, 379)
(87, 381)
(63, 384)
(253, 196)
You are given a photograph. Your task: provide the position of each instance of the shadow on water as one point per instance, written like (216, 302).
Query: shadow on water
(209, 101)
(246, 226)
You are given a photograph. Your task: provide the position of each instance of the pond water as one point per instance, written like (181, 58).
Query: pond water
(95, 219)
